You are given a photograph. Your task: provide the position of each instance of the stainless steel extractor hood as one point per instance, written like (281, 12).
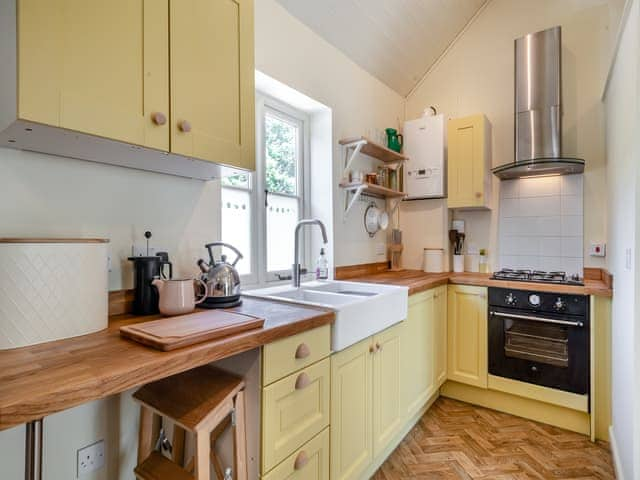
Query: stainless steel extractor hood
(538, 110)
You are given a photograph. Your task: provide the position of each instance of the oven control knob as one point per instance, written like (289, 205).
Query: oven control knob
(510, 299)
(560, 306)
(534, 300)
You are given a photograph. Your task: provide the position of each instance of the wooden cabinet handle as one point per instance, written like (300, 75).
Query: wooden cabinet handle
(302, 381)
(478, 194)
(303, 351)
(301, 460)
(372, 349)
(184, 126)
(378, 347)
(158, 118)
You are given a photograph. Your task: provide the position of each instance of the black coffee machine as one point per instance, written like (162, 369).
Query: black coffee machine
(147, 268)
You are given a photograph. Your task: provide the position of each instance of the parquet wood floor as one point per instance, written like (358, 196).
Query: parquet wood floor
(455, 440)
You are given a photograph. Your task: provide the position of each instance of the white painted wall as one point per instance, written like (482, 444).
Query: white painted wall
(292, 53)
(623, 152)
(476, 75)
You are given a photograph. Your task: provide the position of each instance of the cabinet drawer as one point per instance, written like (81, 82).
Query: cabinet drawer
(293, 353)
(310, 462)
(294, 410)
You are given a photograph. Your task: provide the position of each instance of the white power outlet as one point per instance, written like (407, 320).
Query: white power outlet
(91, 458)
(381, 248)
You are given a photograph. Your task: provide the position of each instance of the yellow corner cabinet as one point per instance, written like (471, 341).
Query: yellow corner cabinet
(467, 335)
(469, 162)
(167, 78)
(366, 412)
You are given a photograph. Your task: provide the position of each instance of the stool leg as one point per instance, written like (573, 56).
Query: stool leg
(178, 444)
(148, 432)
(203, 452)
(240, 443)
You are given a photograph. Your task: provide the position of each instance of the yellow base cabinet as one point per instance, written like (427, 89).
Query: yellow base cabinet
(296, 401)
(351, 411)
(440, 336)
(417, 371)
(367, 411)
(467, 335)
(388, 414)
(469, 162)
(310, 462)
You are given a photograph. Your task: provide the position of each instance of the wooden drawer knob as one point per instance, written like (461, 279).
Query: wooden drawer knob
(158, 118)
(372, 348)
(301, 461)
(302, 381)
(184, 126)
(378, 347)
(478, 194)
(303, 351)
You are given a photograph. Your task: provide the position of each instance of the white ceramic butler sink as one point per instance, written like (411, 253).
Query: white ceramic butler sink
(362, 309)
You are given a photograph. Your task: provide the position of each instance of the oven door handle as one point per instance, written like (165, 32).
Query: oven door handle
(538, 319)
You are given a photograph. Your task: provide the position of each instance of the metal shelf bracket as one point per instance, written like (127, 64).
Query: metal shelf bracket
(357, 191)
(354, 148)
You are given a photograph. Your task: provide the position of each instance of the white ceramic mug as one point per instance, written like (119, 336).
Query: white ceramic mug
(178, 296)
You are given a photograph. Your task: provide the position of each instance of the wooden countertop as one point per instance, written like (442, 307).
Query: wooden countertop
(419, 281)
(43, 379)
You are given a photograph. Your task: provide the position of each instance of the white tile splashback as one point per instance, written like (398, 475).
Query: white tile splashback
(541, 223)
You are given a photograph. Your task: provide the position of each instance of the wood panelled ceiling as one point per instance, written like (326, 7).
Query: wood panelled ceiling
(394, 40)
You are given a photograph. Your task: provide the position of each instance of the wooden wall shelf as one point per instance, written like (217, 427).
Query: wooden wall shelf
(373, 149)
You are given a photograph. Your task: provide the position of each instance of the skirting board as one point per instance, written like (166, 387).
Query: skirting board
(617, 465)
(377, 463)
(522, 407)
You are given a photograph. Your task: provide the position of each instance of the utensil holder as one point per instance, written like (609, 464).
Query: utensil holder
(458, 263)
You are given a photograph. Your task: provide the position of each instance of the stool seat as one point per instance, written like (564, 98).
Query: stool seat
(190, 398)
(199, 401)
(157, 467)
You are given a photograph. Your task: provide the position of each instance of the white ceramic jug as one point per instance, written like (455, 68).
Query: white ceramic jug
(177, 295)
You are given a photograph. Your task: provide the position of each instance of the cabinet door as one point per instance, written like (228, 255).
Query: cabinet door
(467, 335)
(417, 372)
(388, 414)
(440, 336)
(212, 81)
(98, 67)
(351, 438)
(468, 162)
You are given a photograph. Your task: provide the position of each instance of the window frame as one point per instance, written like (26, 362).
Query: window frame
(259, 274)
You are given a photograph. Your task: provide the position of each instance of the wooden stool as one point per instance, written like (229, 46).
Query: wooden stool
(200, 401)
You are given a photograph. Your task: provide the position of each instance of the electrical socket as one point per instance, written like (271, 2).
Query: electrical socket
(91, 458)
(381, 248)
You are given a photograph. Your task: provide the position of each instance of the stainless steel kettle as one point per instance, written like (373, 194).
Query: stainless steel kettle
(221, 277)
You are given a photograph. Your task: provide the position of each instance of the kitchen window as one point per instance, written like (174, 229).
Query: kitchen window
(260, 210)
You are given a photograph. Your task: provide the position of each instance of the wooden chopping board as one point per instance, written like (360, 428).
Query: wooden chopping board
(177, 332)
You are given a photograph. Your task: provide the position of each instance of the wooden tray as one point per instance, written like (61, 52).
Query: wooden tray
(176, 332)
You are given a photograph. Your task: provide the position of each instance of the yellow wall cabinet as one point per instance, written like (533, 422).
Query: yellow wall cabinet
(469, 162)
(467, 335)
(91, 79)
(366, 402)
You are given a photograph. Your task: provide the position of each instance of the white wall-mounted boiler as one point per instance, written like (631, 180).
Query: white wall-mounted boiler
(424, 144)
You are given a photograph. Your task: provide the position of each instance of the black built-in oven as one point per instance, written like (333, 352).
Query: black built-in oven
(540, 338)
